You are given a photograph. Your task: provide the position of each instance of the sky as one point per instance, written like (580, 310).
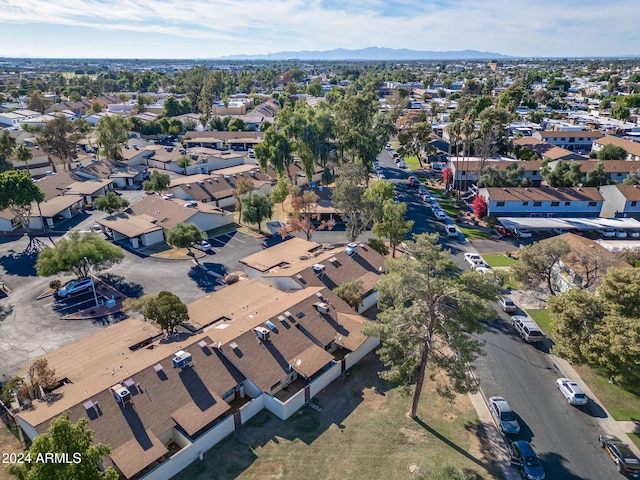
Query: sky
(193, 29)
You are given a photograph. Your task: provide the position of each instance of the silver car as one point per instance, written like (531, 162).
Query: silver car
(572, 391)
(506, 419)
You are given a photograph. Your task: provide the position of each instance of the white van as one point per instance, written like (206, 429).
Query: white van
(527, 329)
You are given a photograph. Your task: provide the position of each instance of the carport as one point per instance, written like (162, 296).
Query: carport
(539, 224)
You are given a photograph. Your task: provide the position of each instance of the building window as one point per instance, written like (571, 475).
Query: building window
(634, 203)
(592, 204)
(500, 204)
(566, 204)
(537, 204)
(524, 204)
(555, 204)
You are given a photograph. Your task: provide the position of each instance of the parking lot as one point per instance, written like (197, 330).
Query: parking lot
(30, 327)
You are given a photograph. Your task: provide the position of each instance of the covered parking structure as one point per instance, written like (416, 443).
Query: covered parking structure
(540, 224)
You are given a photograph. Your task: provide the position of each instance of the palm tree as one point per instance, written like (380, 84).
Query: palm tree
(467, 129)
(454, 135)
(23, 154)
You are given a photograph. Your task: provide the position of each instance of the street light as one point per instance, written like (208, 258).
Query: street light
(93, 283)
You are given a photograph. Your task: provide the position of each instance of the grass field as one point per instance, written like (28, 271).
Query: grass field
(541, 317)
(498, 260)
(473, 232)
(412, 162)
(449, 209)
(362, 431)
(635, 437)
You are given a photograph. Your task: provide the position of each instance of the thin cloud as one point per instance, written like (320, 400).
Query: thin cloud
(517, 27)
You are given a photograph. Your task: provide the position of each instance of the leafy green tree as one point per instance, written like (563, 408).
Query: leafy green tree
(7, 147)
(76, 254)
(183, 162)
(605, 104)
(59, 137)
(314, 89)
(620, 288)
(256, 207)
(280, 192)
(75, 440)
(348, 198)
(393, 225)
(632, 179)
(575, 315)
(597, 176)
(612, 152)
(18, 193)
(351, 291)
(377, 193)
(614, 349)
(167, 310)
(158, 182)
(564, 174)
(414, 140)
(110, 203)
(37, 102)
(620, 112)
(428, 316)
(537, 262)
(304, 211)
(275, 150)
(112, 135)
(183, 235)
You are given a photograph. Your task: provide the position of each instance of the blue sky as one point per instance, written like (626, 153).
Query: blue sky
(209, 29)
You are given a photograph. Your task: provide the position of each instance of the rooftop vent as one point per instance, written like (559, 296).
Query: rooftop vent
(262, 333)
(351, 248)
(318, 269)
(200, 182)
(288, 314)
(121, 394)
(188, 185)
(322, 307)
(181, 359)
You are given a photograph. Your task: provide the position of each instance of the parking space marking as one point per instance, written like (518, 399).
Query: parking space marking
(234, 238)
(223, 244)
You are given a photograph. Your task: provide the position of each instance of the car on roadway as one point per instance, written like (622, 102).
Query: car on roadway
(483, 269)
(96, 227)
(504, 415)
(608, 232)
(572, 391)
(75, 286)
(387, 146)
(527, 329)
(634, 233)
(627, 462)
(621, 233)
(440, 215)
(413, 181)
(473, 259)
(402, 165)
(508, 305)
(524, 458)
(451, 230)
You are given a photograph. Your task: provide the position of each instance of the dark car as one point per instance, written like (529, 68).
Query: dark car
(627, 462)
(524, 458)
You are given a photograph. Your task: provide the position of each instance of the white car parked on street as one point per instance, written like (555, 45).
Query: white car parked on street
(572, 391)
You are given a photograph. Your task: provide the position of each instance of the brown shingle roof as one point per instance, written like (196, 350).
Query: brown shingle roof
(631, 147)
(543, 193)
(130, 225)
(630, 192)
(55, 205)
(286, 252)
(167, 213)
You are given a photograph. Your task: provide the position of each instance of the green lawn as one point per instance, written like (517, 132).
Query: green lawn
(542, 318)
(361, 432)
(635, 437)
(449, 209)
(473, 232)
(412, 162)
(498, 260)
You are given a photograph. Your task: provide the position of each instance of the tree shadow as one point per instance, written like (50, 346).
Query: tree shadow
(21, 264)
(555, 465)
(489, 459)
(451, 444)
(209, 276)
(129, 289)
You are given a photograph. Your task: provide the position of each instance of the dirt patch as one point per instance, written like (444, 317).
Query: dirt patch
(179, 254)
(8, 444)
(373, 398)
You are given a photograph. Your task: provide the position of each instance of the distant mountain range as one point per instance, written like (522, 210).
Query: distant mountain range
(372, 53)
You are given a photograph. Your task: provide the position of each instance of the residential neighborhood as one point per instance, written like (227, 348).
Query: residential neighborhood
(199, 259)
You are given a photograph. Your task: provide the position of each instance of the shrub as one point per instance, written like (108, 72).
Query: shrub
(490, 222)
(508, 254)
(55, 284)
(378, 245)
